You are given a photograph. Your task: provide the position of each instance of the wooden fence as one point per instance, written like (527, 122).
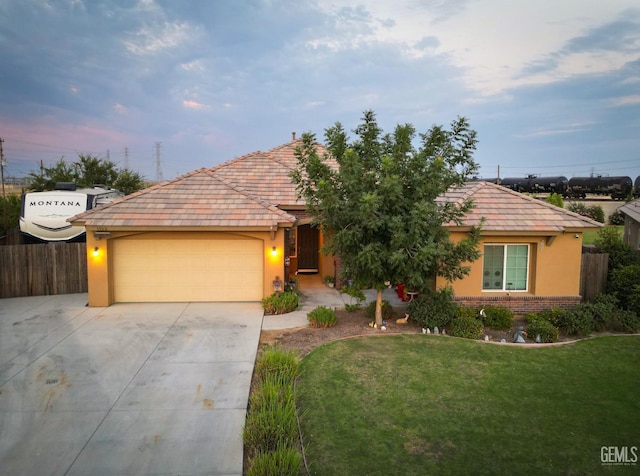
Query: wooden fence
(43, 269)
(593, 274)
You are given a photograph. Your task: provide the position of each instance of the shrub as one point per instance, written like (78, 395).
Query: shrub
(625, 321)
(352, 307)
(616, 218)
(594, 212)
(467, 312)
(466, 326)
(577, 322)
(541, 327)
(434, 308)
(322, 316)
(620, 254)
(555, 199)
(622, 284)
(387, 310)
(281, 303)
(281, 461)
(497, 317)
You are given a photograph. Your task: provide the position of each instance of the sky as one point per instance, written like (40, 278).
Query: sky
(164, 87)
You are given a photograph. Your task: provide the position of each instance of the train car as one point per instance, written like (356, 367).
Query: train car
(618, 188)
(636, 187)
(43, 215)
(535, 184)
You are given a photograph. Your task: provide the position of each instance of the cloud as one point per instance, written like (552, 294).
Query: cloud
(190, 104)
(626, 101)
(154, 39)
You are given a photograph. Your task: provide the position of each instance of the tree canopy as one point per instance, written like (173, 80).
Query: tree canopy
(376, 199)
(87, 171)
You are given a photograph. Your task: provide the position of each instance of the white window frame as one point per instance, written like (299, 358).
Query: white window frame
(504, 268)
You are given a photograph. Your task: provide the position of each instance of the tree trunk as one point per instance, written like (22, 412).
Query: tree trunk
(379, 308)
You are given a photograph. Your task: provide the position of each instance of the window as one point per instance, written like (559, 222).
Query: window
(505, 268)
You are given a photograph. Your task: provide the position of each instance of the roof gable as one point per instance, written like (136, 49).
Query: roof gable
(505, 210)
(197, 199)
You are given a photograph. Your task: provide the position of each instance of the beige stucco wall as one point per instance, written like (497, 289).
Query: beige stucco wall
(99, 267)
(554, 266)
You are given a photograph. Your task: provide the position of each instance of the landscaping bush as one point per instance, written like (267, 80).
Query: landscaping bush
(620, 254)
(555, 199)
(277, 363)
(387, 310)
(279, 462)
(625, 321)
(281, 303)
(322, 316)
(467, 312)
(434, 308)
(622, 284)
(498, 317)
(578, 322)
(270, 433)
(616, 218)
(466, 326)
(594, 212)
(541, 327)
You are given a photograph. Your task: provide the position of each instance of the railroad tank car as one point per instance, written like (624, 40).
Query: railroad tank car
(535, 184)
(618, 188)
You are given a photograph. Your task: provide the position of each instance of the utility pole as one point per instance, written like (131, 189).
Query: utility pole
(158, 164)
(4, 196)
(2, 166)
(126, 157)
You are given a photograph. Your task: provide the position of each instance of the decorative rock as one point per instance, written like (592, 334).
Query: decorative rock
(503, 341)
(444, 332)
(538, 339)
(436, 331)
(428, 331)
(424, 331)
(383, 328)
(486, 338)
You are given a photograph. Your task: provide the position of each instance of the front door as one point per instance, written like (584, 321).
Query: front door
(308, 243)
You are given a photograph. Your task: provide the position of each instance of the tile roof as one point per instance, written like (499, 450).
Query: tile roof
(267, 174)
(632, 210)
(253, 190)
(197, 199)
(508, 211)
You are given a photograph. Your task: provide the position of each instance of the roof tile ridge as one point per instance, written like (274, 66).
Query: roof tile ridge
(262, 202)
(555, 209)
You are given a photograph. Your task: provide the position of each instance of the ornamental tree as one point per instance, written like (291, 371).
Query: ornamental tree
(375, 198)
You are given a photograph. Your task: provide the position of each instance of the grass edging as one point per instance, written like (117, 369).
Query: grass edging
(271, 434)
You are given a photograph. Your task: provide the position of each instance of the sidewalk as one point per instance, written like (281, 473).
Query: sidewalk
(315, 293)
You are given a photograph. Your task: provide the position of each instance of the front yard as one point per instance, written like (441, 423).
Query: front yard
(421, 404)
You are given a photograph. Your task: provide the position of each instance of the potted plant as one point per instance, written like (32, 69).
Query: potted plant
(329, 280)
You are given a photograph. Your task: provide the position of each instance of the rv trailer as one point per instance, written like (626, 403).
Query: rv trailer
(43, 215)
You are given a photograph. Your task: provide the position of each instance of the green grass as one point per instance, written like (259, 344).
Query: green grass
(589, 236)
(417, 404)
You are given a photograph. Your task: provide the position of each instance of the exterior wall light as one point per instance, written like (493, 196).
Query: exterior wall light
(96, 252)
(274, 252)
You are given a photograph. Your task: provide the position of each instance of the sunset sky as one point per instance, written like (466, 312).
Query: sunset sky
(551, 86)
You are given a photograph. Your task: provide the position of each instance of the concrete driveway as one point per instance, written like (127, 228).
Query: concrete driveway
(129, 389)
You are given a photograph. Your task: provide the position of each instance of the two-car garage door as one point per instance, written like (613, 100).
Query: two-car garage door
(174, 267)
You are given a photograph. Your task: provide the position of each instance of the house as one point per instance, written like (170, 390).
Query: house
(531, 250)
(228, 232)
(631, 212)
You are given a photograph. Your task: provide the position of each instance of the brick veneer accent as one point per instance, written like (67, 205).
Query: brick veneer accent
(520, 304)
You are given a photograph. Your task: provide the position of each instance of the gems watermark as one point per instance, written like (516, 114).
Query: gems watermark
(619, 455)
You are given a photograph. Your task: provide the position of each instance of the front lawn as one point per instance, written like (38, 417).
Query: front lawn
(420, 404)
(589, 236)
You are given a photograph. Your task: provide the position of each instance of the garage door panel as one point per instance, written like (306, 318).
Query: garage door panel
(179, 269)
